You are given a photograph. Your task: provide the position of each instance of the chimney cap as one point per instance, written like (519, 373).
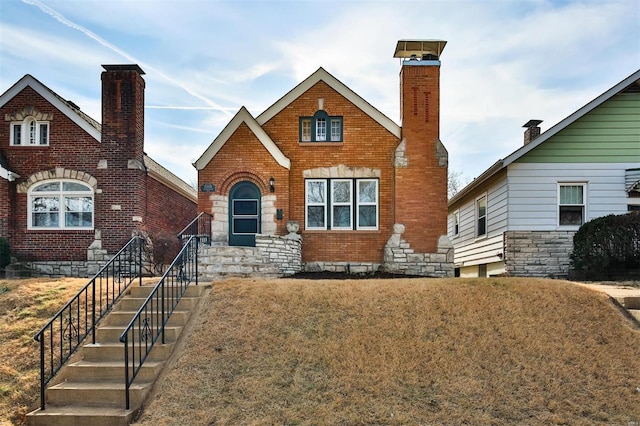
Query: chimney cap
(124, 67)
(418, 48)
(532, 123)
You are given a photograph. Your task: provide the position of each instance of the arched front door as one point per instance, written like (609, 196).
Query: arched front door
(244, 214)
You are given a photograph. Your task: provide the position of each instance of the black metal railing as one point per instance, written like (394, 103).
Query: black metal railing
(64, 333)
(148, 324)
(200, 227)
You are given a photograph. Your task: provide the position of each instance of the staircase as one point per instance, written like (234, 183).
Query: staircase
(89, 390)
(219, 262)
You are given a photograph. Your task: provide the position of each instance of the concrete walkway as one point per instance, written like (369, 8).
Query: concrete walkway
(628, 297)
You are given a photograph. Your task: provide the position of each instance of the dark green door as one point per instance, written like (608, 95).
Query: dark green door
(244, 214)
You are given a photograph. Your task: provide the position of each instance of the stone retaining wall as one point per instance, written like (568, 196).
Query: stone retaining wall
(538, 253)
(283, 251)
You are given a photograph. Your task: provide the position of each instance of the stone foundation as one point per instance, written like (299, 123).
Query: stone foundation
(538, 253)
(342, 267)
(399, 257)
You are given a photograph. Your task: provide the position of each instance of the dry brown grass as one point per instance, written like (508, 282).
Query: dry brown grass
(411, 351)
(25, 306)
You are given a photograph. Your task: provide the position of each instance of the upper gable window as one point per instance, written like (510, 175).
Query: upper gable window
(321, 128)
(29, 132)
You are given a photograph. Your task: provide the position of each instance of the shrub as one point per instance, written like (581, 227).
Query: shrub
(5, 253)
(163, 249)
(607, 247)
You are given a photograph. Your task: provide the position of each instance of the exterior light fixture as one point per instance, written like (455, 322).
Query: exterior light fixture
(272, 183)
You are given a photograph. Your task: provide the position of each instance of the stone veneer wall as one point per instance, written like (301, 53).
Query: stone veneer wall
(538, 253)
(283, 251)
(400, 258)
(344, 267)
(97, 257)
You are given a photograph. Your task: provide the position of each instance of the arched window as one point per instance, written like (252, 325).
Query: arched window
(60, 204)
(29, 132)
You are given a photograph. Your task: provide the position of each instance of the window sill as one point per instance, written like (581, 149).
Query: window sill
(29, 146)
(340, 231)
(320, 143)
(61, 230)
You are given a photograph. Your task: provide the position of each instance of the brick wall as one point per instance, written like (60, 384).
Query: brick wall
(365, 144)
(4, 208)
(421, 186)
(538, 253)
(167, 210)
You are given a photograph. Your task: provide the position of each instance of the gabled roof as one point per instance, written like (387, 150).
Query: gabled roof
(520, 152)
(243, 116)
(322, 75)
(85, 122)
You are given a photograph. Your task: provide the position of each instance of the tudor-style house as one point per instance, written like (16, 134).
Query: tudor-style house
(519, 216)
(72, 190)
(365, 193)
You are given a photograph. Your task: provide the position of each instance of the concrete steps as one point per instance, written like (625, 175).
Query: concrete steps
(631, 304)
(90, 389)
(219, 262)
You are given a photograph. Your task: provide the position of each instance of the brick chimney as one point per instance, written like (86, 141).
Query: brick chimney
(421, 179)
(123, 112)
(533, 130)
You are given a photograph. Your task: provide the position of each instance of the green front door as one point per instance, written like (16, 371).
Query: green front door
(244, 214)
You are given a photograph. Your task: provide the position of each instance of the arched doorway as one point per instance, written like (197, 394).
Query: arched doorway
(244, 214)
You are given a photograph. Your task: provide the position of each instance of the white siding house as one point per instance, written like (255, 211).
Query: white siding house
(520, 215)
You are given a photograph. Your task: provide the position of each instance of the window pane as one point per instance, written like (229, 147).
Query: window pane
(306, 130)
(341, 191)
(335, 130)
(482, 226)
(245, 207)
(482, 207)
(367, 191)
(17, 133)
(48, 220)
(45, 204)
(571, 194)
(367, 216)
(72, 186)
(78, 204)
(341, 217)
(315, 217)
(48, 187)
(44, 134)
(315, 192)
(245, 226)
(321, 129)
(32, 132)
(571, 215)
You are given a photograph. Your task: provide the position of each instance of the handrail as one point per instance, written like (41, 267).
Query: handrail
(148, 324)
(64, 332)
(200, 226)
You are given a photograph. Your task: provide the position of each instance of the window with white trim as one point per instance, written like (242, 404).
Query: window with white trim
(341, 204)
(571, 204)
(60, 204)
(456, 223)
(321, 128)
(29, 132)
(481, 216)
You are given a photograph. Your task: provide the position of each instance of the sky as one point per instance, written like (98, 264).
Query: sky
(505, 62)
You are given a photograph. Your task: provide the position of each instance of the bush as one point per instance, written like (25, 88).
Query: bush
(608, 247)
(5, 253)
(164, 248)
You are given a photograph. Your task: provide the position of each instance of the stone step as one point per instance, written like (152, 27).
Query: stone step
(122, 318)
(635, 313)
(115, 352)
(133, 303)
(629, 302)
(111, 333)
(92, 371)
(97, 394)
(137, 291)
(75, 415)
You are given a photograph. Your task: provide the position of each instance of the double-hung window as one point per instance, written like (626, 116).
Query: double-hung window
(321, 128)
(571, 204)
(481, 216)
(456, 223)
(29, 132)
(61, 205)
(341, 204)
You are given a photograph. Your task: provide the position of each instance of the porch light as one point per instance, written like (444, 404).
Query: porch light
(272, 183)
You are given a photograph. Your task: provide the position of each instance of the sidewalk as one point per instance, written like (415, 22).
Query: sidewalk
(628, 297)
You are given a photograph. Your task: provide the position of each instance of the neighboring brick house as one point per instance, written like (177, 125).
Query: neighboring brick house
(366, 193)
(72, 190)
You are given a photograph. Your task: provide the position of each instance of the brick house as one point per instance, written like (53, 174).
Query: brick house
(365, 193)
(54, 155)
